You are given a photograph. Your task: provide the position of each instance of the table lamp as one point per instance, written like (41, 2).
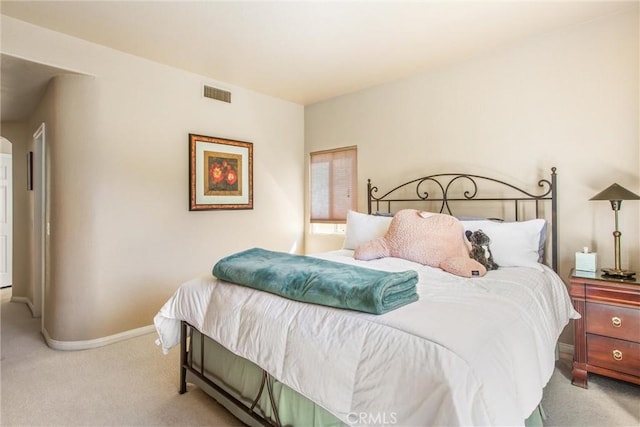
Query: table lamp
(616, 194)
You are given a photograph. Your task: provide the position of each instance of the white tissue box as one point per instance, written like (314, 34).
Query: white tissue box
(586, 261)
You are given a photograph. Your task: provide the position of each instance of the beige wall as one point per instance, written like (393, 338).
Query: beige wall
(567, 99)
(5, 146)
(69, 111)
(122, 237)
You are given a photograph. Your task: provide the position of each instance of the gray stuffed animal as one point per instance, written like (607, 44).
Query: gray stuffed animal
(480, 250)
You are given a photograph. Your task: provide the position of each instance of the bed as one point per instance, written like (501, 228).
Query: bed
(469, 351)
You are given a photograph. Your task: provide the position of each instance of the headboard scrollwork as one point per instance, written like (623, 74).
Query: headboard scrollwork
(445, 188)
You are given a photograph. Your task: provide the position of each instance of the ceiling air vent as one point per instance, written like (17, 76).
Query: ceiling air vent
(218, 94)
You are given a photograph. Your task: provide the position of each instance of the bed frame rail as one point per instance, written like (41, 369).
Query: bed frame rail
(246, 413)
(463, 187)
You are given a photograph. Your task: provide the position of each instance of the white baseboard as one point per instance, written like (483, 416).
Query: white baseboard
(98, 342)
(566, 349)
(86, 344)
(27, 301)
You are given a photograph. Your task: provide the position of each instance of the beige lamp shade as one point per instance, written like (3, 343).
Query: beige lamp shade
(615, 192)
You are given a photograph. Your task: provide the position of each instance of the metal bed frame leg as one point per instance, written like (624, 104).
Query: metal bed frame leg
(186, 364)
(183, 357)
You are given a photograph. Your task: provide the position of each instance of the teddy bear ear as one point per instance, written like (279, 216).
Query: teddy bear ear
(468, 233)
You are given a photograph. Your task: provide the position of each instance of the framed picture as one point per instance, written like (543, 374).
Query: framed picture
(220, 173)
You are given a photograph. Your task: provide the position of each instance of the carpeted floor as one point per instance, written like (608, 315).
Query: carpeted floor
(607, 402)
(132, 383)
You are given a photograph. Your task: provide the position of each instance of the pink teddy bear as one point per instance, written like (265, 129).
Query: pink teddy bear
(436, 240)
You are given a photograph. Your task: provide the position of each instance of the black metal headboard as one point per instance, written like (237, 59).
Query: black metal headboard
(462, 187)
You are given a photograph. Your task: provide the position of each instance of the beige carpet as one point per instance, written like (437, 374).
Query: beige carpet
(124, 384)
(607, 402)
(132, 383)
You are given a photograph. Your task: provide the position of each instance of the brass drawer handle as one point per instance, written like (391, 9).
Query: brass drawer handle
(616, 322)
(617, 354)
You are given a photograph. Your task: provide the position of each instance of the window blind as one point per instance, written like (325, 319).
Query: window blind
(333, 184)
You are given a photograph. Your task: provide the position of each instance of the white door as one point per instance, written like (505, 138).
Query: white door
(6, 219)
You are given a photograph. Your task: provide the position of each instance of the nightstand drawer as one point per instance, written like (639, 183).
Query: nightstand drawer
(613, 321)
(609, 353)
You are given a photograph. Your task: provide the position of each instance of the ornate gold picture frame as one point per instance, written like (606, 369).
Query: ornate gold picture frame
(220, 173)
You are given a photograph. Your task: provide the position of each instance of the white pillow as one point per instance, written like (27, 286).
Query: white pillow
(513, 244)
(362, 228)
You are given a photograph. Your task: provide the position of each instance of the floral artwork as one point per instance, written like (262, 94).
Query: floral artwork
(220, 173)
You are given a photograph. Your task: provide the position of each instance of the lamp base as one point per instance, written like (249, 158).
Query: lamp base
(621, 274)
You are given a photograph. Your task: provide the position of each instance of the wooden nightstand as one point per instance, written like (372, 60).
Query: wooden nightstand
(607, 337)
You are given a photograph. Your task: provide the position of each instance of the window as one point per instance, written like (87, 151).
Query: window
(334, 180)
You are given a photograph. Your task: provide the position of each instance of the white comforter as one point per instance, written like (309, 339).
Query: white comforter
(469, 352)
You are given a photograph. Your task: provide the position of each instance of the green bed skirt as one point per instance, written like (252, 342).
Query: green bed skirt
(242, 378)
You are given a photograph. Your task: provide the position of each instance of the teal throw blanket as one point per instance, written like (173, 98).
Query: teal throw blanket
(319, 281)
